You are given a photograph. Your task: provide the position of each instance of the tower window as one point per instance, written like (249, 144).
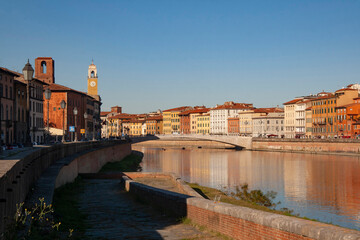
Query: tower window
(92, 74)
(43, 67)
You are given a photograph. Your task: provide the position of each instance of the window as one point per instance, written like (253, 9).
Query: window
(43, 67)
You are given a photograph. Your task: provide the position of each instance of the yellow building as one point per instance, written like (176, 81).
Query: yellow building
(114, 127)
(308, 124)
(154, 125)
(136, 127)
(171, 120)
(203, 124)
(115, 124)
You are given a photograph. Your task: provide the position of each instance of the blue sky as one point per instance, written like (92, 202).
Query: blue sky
(155, 54)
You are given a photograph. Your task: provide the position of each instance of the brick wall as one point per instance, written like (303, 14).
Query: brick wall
(235, 221)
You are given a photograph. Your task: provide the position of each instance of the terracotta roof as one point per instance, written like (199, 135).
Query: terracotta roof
(155, 118)
(199, 110)
(233, 118)
(104, 113)
(54, 87)
(346, 89)
(330, 95)
(123, 116)
(9, 71)
(20, 76)
(268, 110)
(347, 105)
(323, 93)
(293, 101)
(232, 105)
(178, 109)
(309, 108)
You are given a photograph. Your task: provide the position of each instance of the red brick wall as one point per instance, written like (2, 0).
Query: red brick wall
(235, 221)
(185, 124)
(49, 76)
(236, 228)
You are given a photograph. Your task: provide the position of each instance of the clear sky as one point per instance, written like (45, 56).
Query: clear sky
(160, 54)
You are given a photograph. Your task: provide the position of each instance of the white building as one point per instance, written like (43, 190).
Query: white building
(270, 125)
(220, 114)
(295, 116)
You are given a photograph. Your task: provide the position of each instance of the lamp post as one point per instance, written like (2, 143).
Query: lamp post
(85, 117)
(28, 72)
(63, 105)
(75, 113)
(47, 97)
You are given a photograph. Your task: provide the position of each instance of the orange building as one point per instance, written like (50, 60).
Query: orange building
(188, 119)
(348, 120)
(233, 126)
(325, 114)
(171, 120)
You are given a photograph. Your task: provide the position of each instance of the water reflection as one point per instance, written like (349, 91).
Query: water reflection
(323, 187)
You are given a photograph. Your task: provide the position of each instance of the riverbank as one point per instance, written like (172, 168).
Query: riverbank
(186, 144)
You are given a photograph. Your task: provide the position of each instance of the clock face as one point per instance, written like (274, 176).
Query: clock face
(93, 83)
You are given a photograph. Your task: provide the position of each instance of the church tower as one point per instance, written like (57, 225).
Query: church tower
(44, 69)
(92, 80)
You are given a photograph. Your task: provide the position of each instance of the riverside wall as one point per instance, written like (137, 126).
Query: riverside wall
(186, 143)
(341, 146)
(19, 173)
(235, 221)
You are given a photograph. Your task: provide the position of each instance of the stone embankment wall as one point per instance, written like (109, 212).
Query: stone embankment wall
(308, 145)
(235, 221)
(171, 143)
(19, 174)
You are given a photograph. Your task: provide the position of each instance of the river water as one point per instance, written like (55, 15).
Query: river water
(321, 187)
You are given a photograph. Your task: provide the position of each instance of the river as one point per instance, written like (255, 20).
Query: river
(321, 187)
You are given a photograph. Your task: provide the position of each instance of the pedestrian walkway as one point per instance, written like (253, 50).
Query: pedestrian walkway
(114, 214)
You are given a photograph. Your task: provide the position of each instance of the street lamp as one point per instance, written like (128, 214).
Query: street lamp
(63, 105)
(28, 73)
(47, 97)
(75, 113)
(85, 117)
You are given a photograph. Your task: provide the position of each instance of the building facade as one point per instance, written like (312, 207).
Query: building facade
(220, 114)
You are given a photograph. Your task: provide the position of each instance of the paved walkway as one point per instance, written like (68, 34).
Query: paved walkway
(113, 214)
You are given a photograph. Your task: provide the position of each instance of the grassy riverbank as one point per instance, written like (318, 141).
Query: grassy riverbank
(130, 163)
(212, 193)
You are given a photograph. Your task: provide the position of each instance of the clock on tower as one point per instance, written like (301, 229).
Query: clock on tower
(92, 79)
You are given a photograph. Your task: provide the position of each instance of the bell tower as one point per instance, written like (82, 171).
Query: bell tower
(92, 80)
(44, 69)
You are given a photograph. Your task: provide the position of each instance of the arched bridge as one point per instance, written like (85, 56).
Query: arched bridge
(243, 142)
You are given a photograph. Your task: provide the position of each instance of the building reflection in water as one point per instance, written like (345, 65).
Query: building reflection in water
(324, 187)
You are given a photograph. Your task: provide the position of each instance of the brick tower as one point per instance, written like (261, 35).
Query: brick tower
(44, 69)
